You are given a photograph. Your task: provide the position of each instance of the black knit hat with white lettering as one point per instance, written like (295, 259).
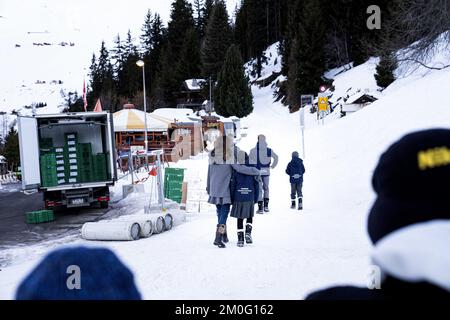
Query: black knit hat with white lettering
(412, 182)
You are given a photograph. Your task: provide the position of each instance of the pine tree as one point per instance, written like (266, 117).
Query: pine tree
(129, 78)
(307, 63)
(189, 66)
(257, 30)
(206, 15)
(385, 70)
(291, 33)
(129, 47)
(165, 86)
(168, 77)
(181, 20)
(11, 149)
(94, 75)
(233, 96)
(198, 16)
(117, 56)
(147, 33)
(158, 39)
(103, 84)
(240, 31)
(217, 40)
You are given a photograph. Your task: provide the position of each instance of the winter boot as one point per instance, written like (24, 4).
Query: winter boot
(219, 236)
(300, 203)
(266, 205)
(260, 207)
(293, 204)
(225, 236)
(248, 233)
(240, 242)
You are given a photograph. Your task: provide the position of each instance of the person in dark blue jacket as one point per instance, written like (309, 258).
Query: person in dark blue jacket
(296, 170)
(244, 194)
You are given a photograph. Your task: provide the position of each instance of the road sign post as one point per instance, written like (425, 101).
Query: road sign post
(304, 101)
(302, 127)
(322, 106)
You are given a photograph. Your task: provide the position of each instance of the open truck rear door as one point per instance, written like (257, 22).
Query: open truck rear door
(29, 152)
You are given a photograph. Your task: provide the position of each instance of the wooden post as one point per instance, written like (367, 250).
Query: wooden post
(184, 195)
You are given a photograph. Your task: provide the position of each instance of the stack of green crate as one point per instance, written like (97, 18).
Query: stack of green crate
(173, 183)
(60, 155)
(99, 167)
(39, 216)
(84, 158)
(45, 145)
(48, 170)
(71, 158)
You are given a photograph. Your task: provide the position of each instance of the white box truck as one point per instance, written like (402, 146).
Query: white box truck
(70, 157)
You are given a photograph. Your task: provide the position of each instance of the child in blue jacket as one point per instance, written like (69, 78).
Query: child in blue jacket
(296, 170)
(244, 189)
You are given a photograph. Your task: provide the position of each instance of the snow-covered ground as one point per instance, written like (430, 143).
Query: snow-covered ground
(294, 252)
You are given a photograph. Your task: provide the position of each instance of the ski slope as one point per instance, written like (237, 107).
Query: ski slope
(293, 252)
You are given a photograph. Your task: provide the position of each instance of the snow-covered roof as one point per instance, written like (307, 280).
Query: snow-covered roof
(194, 84)
(175, 115)
(358, 96)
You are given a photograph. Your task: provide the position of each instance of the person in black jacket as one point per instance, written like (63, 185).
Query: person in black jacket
(244, 195)
(296, 170)
(409, 223)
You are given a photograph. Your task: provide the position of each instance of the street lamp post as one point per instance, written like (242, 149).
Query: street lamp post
(141, 64)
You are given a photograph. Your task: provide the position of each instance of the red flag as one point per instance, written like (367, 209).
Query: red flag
(84, 95)
(98, 106)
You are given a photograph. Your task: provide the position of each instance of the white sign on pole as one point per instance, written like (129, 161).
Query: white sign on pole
(302, 118)
(302, 127)
(305, 100)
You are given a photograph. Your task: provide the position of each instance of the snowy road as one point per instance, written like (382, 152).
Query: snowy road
(15, 232)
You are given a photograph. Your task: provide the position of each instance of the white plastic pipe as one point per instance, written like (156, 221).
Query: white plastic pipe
(159, 224)
(168, 222)
(146, 227)
(111, 231)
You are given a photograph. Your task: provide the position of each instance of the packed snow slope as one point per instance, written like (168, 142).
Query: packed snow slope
(294, 252)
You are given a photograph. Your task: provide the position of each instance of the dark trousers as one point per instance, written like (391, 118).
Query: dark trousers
(296, 190)
(240, 223)
(222, 212)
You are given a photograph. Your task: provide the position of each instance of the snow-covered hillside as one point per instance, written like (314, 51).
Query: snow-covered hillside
(293, 253)
(46, 46)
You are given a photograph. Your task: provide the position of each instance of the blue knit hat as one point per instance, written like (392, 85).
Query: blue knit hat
(102, 276)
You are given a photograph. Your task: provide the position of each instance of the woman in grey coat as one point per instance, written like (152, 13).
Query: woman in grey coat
(222, 161)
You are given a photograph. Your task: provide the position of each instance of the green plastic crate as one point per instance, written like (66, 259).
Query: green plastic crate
(176, 174)
(46, 145)
(71, 138)
(173, 183)
(99, 167)
(48, 170)
(173, 186)
(42, 216)
(84, 150)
